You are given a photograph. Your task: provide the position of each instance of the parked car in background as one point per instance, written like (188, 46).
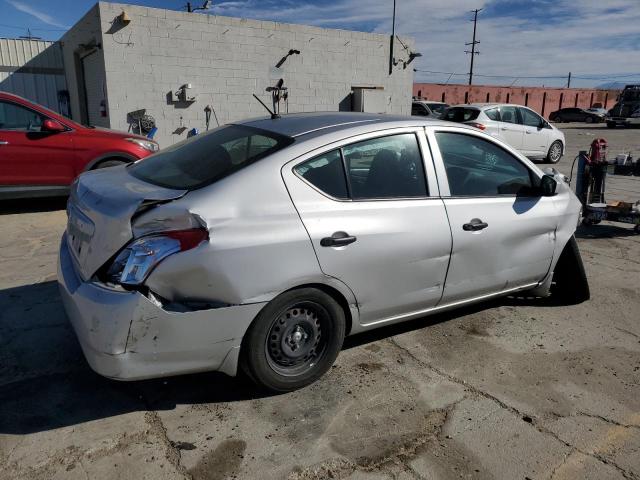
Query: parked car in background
(426, 108)
(210, 257)
(576, 115)
(519, 126)
(42, 152)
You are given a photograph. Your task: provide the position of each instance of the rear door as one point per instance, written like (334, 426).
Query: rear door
(503, 233)
(374, 221)
(536, 137)
(511, 130)
(29, 156)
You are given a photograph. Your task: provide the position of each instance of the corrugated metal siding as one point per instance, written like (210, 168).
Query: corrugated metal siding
(33, 69)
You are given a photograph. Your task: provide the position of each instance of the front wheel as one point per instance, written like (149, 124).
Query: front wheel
(294, 340)
(555, 152)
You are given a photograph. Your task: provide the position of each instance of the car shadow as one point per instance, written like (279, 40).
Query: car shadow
(45, 382)
(32, 205)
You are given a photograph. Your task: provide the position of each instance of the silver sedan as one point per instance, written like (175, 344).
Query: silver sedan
(260, 245)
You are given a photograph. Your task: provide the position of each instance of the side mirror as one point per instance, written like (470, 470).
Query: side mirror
(52, 126)
(548, 186)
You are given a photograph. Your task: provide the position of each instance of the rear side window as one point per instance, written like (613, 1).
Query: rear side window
(461, 114)
(493, 114)
(478, 168)
(385, 167)
(326, 173)
(509, 115)
(206, 158)
(417, 109)
(438, 108)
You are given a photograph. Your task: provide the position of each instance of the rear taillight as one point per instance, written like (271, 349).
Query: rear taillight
(134, 264)
(479, 126)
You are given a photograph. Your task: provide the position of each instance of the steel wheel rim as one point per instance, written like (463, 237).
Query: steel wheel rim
(555, 152)
(298, 338)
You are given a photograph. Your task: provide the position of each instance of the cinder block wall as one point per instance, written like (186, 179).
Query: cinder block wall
(227, 59)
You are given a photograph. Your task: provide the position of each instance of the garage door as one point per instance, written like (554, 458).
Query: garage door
(94, 87)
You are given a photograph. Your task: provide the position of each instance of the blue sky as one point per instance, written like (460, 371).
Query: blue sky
(597, 40)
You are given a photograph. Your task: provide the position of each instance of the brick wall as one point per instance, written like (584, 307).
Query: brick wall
(226, 60)
(543, 100)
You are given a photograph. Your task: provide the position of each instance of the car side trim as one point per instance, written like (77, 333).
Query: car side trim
(8, 192)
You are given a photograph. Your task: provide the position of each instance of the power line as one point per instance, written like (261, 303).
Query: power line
(585, 76)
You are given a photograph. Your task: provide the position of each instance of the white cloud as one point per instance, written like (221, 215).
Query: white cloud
(29, 10)
(557, 38)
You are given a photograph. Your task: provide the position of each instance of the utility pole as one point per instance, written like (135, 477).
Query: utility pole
(569, 81)
(393, 34)
(473, 43)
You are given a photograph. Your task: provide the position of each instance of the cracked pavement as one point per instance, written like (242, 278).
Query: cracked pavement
(511, 389)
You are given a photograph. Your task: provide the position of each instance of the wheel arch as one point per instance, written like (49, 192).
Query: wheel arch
(115, 155)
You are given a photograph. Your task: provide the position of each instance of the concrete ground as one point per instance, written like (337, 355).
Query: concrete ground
(513, 389)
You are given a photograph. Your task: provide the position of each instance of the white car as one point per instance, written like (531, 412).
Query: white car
(519, 126)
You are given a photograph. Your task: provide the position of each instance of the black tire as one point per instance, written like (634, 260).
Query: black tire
(611, 124)
(589, 120)
(294, 340)
(570, 285)
(554, 155)
(113, 162)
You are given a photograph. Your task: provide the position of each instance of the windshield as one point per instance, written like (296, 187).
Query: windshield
(461, 114)
(206, 158)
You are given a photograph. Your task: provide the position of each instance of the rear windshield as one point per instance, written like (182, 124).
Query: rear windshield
(461, 114)
(206, 158)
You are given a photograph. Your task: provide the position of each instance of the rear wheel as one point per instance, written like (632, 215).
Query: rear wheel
(589, 120)
(611, 124)
(555, 152)
(294, 340)
(570, 285)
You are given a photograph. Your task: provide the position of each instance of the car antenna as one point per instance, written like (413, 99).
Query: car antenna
(273, 115)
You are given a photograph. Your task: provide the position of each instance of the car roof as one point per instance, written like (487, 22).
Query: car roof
(319, 123)
(422, 100)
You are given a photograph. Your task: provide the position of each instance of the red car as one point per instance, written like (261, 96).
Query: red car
(42, 152)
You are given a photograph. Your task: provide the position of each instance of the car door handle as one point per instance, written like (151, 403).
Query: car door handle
(4, 142)
(338, 239)
(474, 225)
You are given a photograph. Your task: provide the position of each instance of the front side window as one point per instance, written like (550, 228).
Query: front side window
(19, 118)
(509, 115)
(385, 167)
(206, 158)
(478, 168)
(529, 118)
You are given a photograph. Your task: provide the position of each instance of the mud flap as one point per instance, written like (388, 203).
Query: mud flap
(570, 285)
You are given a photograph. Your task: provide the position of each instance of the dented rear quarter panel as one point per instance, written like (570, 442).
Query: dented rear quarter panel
(258, 247)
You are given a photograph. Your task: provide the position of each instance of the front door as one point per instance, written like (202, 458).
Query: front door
(503, 233)
(375, 220)
(29, 156)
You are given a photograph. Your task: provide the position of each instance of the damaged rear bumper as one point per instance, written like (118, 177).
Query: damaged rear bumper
(127, 337)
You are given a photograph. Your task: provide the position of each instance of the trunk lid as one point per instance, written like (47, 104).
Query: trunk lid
(100, 208)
